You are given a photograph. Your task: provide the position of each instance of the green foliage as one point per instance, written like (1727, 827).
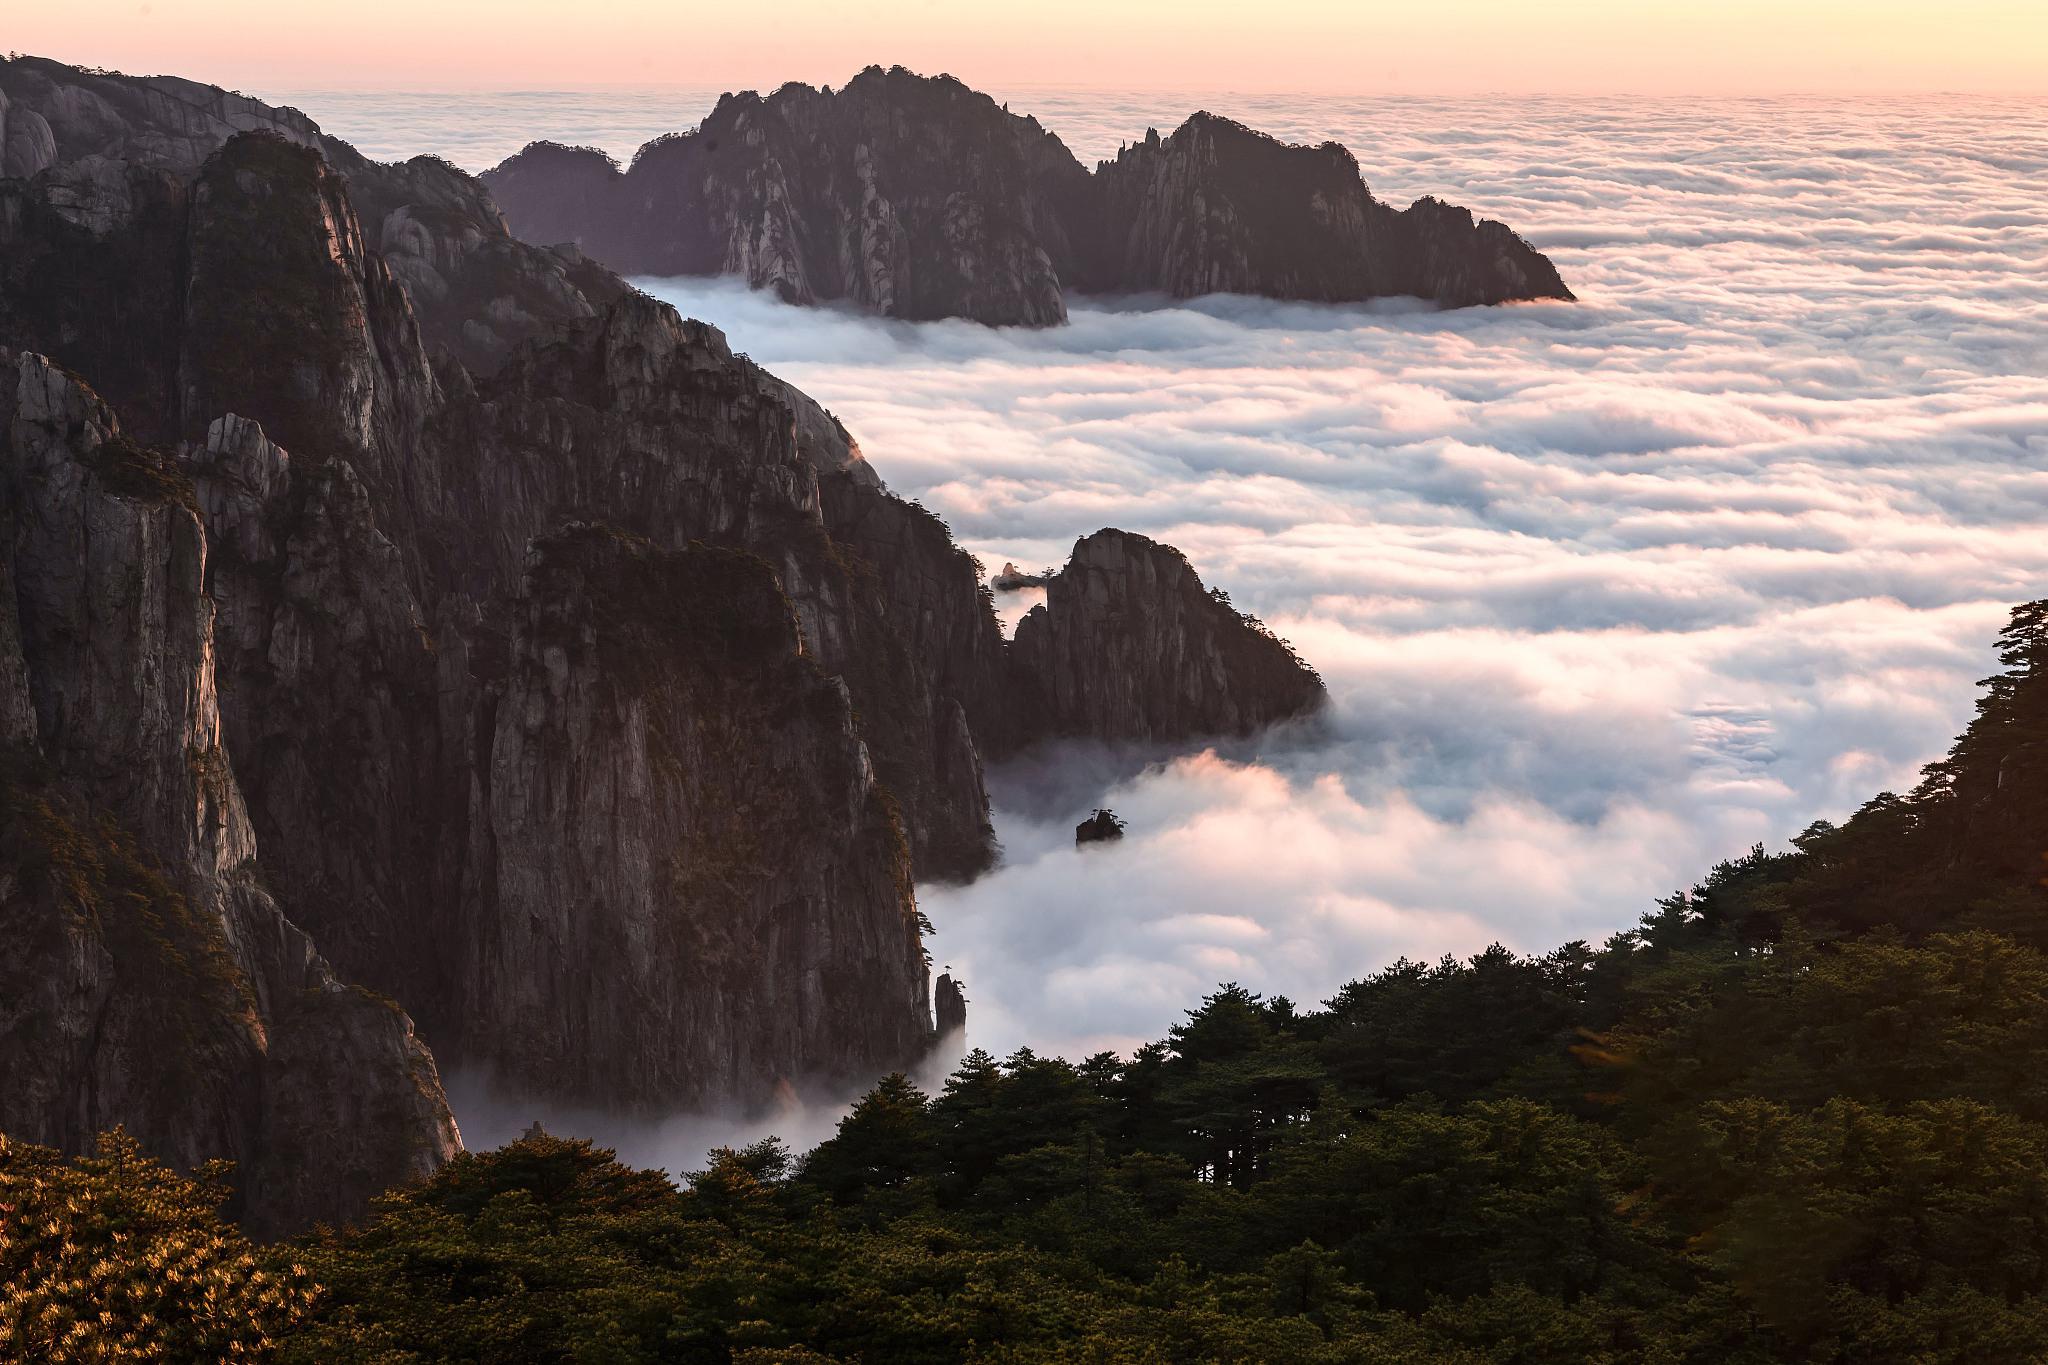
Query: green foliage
(1823, 1152)
(113, 1257)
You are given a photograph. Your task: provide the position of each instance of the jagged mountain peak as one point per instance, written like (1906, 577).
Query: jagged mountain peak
(918, 197)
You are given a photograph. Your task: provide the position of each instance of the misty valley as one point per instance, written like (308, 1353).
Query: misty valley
(880, 729)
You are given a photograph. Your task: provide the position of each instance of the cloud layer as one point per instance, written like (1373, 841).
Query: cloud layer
(1604, 593)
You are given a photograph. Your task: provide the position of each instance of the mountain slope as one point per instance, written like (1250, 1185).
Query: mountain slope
(585, 689)
(1797, 1114)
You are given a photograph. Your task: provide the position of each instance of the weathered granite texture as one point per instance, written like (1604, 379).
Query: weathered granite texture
(377, 427)
(677, 799)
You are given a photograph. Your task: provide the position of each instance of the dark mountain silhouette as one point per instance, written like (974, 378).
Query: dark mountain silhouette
(917, 197)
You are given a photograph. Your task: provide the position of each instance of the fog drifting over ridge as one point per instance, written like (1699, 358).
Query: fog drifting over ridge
(1603, 592)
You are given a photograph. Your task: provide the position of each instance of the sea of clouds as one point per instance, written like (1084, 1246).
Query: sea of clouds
(1603, 592)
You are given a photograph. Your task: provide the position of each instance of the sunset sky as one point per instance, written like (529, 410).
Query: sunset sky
(1334, 46)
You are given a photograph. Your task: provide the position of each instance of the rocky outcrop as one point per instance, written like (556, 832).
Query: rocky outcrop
(98, 134)
(151, 980)
(1128, 645)
(1010, 578)
(1102, 827)
(950, 1001)
(928, 666)
(916, 197)
(382, 402)
(77, 115)
(1219, 208)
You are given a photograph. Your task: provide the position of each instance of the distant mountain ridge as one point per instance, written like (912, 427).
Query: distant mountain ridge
(917, 197)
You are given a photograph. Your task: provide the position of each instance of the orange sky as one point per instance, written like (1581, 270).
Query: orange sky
(1334, 46)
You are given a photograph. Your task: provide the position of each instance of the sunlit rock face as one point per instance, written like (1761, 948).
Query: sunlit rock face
(916, 197)
(1128, 645)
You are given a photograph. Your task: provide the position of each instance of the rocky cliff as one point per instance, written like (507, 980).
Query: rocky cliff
(950, 1001)
(1128, 645)
(382, 410)
(663, 758)
(151, 980)
(581, 684)
(916, 197)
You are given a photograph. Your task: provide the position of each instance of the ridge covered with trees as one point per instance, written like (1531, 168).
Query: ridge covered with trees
(1798, 1112)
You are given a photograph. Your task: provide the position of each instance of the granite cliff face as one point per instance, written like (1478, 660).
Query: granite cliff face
(151, 980)
(579, 681)
(1128, 645)
(374, 464)
(660, 738)
(916, 197)
(383, 410)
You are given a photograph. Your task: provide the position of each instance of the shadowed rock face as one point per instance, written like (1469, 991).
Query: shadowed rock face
(373, 404)
(918, 198)
(1103, 827)
(579, 682)
(1128, 645)
(914, 198)
(1219, 208)
(950, 1002)
(667, 759)
(151, 980)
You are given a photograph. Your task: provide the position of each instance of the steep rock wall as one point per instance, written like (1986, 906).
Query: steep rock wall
(371, 470)
(504, 771)
(693, 887)
(152, 981)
